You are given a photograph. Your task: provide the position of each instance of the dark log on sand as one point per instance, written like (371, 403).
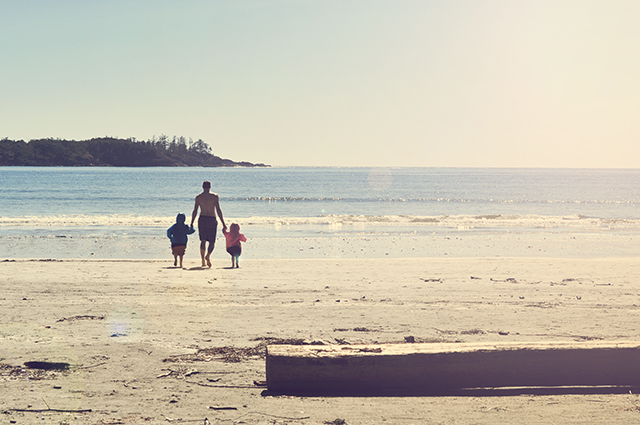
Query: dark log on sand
(423, 369)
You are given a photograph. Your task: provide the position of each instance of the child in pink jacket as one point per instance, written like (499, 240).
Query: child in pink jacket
(234, 246)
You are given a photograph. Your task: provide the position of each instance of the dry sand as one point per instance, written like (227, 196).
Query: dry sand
(149, 343)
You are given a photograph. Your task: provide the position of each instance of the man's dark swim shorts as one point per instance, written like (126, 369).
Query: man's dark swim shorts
(207, 228)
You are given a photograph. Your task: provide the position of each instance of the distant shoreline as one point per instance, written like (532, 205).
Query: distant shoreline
(113, 152)
(238, 165)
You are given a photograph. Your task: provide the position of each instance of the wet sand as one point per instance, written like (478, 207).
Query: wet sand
(149, 343)
(397, 243)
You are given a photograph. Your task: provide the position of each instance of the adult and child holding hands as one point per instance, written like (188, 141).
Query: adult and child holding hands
(208, 204)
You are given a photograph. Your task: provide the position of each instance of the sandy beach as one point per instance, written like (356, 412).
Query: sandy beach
(149, 343)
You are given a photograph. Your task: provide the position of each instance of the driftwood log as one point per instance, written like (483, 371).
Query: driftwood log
(422, 369)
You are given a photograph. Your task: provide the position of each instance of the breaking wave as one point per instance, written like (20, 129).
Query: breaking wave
(449, 221)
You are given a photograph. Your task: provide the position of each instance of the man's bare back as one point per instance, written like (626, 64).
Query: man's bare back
(208, 202)
(209, 205)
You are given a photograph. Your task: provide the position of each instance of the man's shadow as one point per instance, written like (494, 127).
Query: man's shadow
(205, 268)
(196, 268)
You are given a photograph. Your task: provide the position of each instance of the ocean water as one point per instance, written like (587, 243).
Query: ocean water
(94, 212)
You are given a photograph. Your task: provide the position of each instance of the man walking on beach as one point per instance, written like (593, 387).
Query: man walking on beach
(209, 204)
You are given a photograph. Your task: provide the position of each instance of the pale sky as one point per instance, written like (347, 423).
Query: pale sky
(468, 83)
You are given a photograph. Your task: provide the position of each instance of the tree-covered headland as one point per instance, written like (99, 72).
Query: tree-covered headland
(115, 152)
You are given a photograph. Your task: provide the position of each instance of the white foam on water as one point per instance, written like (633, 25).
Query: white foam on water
(333, 221)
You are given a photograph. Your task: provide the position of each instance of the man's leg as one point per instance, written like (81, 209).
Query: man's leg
(203, 249)
(209, 251)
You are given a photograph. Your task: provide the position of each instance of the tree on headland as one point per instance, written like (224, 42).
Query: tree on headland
(110, 151)
(200, 147)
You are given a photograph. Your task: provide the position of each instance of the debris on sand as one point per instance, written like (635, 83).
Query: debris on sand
(47, 365)
(230, 354)
(85, 317)
(35, 370)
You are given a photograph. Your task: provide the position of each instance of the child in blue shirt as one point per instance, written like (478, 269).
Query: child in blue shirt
(178, 235)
